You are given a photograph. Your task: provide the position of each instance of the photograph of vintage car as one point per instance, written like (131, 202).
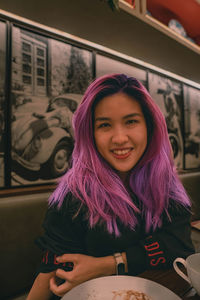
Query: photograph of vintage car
(48, 78)
(43, 142)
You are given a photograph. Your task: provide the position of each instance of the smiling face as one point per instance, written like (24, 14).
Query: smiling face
(120, 131)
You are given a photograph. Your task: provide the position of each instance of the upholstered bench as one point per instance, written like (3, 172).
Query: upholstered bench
(191, 182)
(20, 223)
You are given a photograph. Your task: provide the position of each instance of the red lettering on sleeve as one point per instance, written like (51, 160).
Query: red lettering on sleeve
(45, 257)
(154, 262)
(155, 253)
(55, 261)
(154, 250)
(152, 246)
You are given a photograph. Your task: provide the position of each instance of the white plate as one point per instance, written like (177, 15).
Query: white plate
(103, 289)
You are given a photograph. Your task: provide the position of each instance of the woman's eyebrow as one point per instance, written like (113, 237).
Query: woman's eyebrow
(102, 119)
(132, 115)
(125, 117)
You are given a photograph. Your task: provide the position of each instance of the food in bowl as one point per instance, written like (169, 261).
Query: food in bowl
(130, 295)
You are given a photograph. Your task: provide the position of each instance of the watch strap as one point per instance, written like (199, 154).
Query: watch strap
(120, 266)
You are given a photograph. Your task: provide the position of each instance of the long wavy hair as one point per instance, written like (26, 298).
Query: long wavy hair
(94, 182)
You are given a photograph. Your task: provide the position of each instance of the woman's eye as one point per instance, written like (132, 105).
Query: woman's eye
(132, 121)
(103, 125)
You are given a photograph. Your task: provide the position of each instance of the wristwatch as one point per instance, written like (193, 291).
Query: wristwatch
(120, 265)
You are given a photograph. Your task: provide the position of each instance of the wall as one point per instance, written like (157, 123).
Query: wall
(94, 20)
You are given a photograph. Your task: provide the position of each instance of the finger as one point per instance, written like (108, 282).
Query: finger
(62, 274)
(67, 258)
(60, 290)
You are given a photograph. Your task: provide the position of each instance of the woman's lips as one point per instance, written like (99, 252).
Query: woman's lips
(121, 153)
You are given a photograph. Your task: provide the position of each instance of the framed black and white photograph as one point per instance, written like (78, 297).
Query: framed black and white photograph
(49, 78)
(167, 93)
(106, 65)
(44, 75)
(192, 127)
(2, 99)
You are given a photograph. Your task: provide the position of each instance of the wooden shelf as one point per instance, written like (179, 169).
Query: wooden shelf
(140, 11)
(12, 192)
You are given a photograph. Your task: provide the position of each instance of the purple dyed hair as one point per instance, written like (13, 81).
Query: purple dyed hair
(93, 181)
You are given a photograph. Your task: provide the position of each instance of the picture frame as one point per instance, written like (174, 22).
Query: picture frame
(46, 70)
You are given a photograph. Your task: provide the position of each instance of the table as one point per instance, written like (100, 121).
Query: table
(171, 280)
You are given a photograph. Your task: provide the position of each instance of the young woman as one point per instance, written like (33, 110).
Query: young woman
(120, 207)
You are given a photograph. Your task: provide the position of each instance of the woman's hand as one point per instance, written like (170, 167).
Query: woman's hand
(85, 268)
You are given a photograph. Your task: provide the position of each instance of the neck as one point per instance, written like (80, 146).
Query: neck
(124, 176)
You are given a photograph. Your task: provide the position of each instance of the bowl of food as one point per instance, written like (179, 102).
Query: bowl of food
(120, 288)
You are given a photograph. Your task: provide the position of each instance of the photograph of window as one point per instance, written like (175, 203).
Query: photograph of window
(49, 78)
(2, 99)
(167, 93)
(192, 127)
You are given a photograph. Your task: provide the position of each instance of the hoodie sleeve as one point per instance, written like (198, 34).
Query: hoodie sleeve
(62, 234)
(159, 249)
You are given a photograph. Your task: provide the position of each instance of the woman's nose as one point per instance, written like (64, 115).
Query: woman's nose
(119, 136)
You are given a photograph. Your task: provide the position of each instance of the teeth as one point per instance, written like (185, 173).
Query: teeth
(121, 152)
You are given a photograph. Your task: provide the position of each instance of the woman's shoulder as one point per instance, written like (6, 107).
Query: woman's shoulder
(71, 206)
(176, 210)
(177, 206)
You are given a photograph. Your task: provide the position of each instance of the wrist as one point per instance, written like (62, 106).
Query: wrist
(107, 265)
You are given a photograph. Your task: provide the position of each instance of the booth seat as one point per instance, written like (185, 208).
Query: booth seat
(191, 182)
(21, 220)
